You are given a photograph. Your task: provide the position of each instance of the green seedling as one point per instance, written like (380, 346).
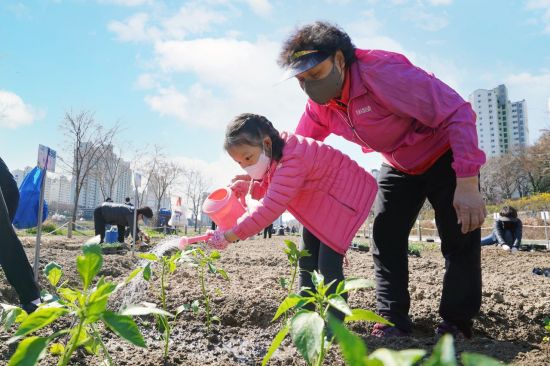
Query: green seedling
(204, 263)
(414, 249)
(86, 307)
(293, 255)
(307, 328)
(168, 265)
(354, 352)
(546, 338)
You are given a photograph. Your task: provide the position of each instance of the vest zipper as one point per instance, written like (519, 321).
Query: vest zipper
(350, 125)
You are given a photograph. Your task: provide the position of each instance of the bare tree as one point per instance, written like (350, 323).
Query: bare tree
(161, 179)
(145, 162)
(197, 186)
(86, 138)
(108, 170)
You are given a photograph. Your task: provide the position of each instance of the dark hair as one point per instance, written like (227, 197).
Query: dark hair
(509, 211)
(251, 129)
(145, 211)
(321, 36)
(108, 199)
(127, 199)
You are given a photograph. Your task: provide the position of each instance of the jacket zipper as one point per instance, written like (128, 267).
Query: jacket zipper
(350, 125)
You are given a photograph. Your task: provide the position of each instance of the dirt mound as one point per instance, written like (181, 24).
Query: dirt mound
(509, 328)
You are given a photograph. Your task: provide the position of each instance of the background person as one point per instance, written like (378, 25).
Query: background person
(268, 231)
(13, 259)
(120, 215)
(507, 230)
(427, 136)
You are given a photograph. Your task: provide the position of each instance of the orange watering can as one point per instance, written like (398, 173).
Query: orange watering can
(224, 208)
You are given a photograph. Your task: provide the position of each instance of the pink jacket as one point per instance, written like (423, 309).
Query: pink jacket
(401, 111)
(330, 194)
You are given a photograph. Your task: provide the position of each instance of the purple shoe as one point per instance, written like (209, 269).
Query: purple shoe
(385, 331)
(448, 328)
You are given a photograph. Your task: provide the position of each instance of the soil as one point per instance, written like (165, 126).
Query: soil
(509, 327)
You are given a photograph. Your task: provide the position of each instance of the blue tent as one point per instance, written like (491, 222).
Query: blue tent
(29, 197)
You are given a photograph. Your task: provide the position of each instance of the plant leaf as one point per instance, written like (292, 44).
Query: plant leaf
(390, 357)
(443, 353)
(136, 310)
(180, 309)
(57, 349)
(133, 274)
(38, 320)
(68, 294)
(148, 256)
(288, 303)
(215, 255)
(306, 330)
(338, 302)
(97, 302)
(147, 272)
(353, 349)
(212, 268)
(28, 351)
(53, 272)
(474, 359)
(357, 283)
(89, 264)
(124, 326)
(275, 344)
(367, 316)
(223, 273)
(195, 306)
(317, 279)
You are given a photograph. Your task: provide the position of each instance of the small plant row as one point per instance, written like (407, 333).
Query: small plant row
(84, 309)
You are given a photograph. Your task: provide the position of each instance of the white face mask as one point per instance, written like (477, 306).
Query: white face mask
(257, 171)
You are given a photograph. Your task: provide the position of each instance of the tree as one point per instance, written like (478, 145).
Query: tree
(197, 186)
(86, 138)
(162, 178)
(107, 171)
(537, 164)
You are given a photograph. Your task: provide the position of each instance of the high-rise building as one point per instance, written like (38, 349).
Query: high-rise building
(19, 174)
(501, 125)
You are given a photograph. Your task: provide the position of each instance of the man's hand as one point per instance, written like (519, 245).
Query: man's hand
(469, 206)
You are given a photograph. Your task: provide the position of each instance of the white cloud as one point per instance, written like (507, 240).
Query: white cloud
(192, 18)
(543, 5)
(535, 89)
(426, 20)
(126, 2)
(440, 2)
(260, 7)
(146, 81)
(134, 29)
(14, 112)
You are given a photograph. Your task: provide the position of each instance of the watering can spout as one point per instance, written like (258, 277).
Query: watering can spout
(188, 240)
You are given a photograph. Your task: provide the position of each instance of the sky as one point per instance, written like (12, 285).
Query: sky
(174, 73)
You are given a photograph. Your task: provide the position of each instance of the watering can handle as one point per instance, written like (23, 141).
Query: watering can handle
(188, 240)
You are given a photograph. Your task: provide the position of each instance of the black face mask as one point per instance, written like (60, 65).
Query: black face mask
(323, 90)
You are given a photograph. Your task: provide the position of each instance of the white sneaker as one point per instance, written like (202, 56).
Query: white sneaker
(514, 250)
(505, 247)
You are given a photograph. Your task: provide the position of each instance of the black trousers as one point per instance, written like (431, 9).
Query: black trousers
(399, 200)
(13, 259)
(99, 226)
(268, 231)
(322, 259)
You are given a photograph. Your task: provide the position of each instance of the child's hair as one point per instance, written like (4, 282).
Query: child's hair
(509, 211)
(251, 129)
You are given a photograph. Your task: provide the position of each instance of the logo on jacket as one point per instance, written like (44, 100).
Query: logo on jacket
(363, 110)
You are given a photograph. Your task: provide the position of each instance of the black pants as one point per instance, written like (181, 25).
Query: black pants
(268, 231)
(322, 259)
(13, 259)
(400, 197)
(99, 226)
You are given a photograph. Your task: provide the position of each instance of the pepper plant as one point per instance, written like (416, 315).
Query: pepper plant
(205, 263)
(84, 308)
(354, 352)
(307, 328)
(168, 265)
(293, 255)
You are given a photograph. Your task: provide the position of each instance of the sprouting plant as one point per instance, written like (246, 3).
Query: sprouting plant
(546, 323)
(414, 249)
(167, 265)
(294, 255)
(204, 263)
(86, 307)
(308, 328)
(354, 352)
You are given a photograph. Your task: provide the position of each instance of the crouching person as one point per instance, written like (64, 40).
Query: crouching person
(122, 216)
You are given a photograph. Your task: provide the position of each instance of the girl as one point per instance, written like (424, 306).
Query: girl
(323, 188)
